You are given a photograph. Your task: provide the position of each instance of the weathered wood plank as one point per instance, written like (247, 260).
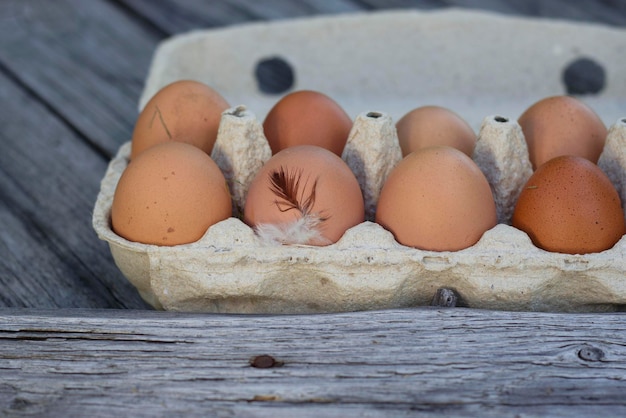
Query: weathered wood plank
(86, 60)
(187, 15)
(606, 12)
(451, 361)
(70, 75)
(173, 16)
(49, 179)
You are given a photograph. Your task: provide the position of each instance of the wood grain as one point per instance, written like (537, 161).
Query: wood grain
(85, 62)
(51, 256)
(69, 94)
(452, 361)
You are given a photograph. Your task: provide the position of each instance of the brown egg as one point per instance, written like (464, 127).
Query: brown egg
(186, 111)
(169, 194)
(570, 206)
(429, 126)
(304, 195)
(307, 118)
(562, 125)
(436, 199)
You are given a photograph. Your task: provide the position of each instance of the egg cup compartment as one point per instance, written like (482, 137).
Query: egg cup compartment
(230, 270)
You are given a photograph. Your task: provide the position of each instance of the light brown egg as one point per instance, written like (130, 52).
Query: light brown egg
(169, 194)
(304, 195)
(562, 125)
(186, 111)
(436, 199)
(307, 117)
(429, 126)
(570, 206)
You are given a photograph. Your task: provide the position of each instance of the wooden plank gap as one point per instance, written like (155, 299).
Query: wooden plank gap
(142, 19)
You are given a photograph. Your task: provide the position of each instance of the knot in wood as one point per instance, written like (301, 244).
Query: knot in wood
(590, 353)
(445, 298)
(264, 361)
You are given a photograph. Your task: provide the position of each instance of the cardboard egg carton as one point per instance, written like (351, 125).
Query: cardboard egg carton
(230, 270)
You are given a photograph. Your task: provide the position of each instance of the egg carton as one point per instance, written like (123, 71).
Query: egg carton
(230, 270)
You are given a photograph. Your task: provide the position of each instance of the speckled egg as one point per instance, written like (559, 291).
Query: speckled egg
(562, 125)
(186, 111)
(570, 206)
(169, 194)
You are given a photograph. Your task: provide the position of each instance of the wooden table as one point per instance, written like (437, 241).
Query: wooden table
(77, 340)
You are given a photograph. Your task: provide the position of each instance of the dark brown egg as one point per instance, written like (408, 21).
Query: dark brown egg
(570, 206)
(307, 117)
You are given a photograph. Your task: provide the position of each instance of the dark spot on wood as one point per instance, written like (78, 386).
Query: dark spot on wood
(170, 230)
(265, 398)
(446, 298)
(264, 361)
(590, 353)
(20, 404)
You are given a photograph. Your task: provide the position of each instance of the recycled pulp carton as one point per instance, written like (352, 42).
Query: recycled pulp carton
(378, 66)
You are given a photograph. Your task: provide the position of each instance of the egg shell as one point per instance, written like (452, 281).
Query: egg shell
(437, 199)
(562, 125)
(184, 110)
(304, 195)
(307, 117)
(169, 195)
(569, 205)
(429, 126)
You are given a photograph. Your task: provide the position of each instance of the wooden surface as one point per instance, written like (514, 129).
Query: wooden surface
(71, 72)
(447, 362)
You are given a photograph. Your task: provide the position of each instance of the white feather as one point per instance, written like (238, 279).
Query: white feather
(302, 231)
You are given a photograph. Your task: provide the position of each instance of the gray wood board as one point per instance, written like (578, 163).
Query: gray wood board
(86, 61)
(69, 83)
(49, 180)
(452, 361)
